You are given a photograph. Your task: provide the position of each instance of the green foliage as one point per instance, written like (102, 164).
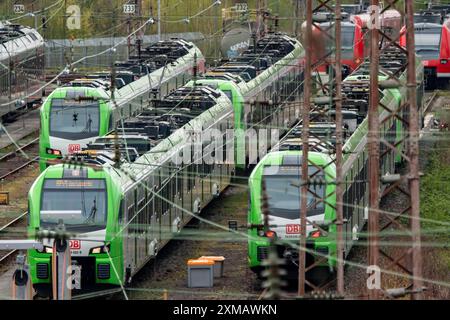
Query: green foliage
(103, 17)
(435, 201)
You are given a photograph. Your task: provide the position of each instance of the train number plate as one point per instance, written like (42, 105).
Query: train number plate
(292, 228)
(75, 244)
(74, 148)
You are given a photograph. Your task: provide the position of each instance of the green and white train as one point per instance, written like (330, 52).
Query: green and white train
(73, 115)
(280, 173)
(130, 213)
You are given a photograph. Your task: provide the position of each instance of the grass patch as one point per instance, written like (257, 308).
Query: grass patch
(435, 199)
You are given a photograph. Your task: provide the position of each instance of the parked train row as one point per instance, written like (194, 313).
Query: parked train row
(130, 198)
(125, 215)
(73, 115)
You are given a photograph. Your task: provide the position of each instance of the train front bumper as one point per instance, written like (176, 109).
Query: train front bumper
(321, 251)
(95, 269)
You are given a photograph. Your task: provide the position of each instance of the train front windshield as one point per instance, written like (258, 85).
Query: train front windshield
(283, 192)
(74, 120)
(428, 42)
(78, 203)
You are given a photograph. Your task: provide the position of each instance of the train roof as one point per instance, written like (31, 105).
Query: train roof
(259, 57)
(161, 120)
(10, 32)
(150, 59)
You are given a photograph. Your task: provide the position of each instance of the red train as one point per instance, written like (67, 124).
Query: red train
(432, 42)
(355, 38)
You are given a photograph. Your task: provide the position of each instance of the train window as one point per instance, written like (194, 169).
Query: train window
(32, 36)
(229, 94)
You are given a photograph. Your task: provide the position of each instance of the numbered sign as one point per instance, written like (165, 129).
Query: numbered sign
(129, 8)
(241, 7)
(19, 8)
(74, 17)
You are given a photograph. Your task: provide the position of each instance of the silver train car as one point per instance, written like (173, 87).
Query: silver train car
(22, 63)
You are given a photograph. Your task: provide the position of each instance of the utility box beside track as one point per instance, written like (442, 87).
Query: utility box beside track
(200, 273)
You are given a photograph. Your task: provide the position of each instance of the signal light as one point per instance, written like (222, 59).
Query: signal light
(54, 152)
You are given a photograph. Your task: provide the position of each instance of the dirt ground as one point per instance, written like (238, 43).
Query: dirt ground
(169, 271)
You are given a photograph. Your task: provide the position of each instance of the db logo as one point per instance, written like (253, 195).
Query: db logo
(74, 148)
(292, 228)
(75, 244)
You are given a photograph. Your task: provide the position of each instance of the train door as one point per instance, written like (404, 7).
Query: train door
(157, 205)
(187, 199)
(155, 236)
(129, 241)
(140, 228)
(197, 186)
(204, 173)
(164, 197)
(178, 200)
(347, 213)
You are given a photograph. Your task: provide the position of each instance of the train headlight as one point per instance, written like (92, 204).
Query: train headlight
(54, 152)
(268, 233)
(317, 233)
(443, 61)
(98, 250)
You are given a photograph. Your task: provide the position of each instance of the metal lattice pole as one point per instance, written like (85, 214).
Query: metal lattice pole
(317, 59)
(339, 145)
(374, 150)
(395, 260)
(413, 154)
(305, 138)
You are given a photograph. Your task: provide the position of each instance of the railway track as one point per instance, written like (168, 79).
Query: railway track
(8, 254)
(14, 161)
(430, 101)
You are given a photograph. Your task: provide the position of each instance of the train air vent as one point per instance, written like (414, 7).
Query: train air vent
(42, 270)
(103, 271)
(262, 253)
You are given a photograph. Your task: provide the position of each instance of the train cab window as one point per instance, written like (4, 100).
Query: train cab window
(71, 119)
(282, 185)
(80, 203)
(348, 35)
(427, 41)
